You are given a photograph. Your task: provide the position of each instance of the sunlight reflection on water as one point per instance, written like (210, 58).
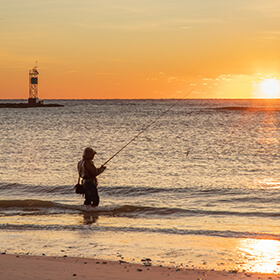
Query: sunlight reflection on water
(261, 255)
(267, 184)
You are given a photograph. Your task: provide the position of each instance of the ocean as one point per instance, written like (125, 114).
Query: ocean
(199, 188)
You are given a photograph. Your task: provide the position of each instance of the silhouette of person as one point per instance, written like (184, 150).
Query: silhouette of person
(88, 172)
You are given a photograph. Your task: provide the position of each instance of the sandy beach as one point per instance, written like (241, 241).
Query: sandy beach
(26, 267)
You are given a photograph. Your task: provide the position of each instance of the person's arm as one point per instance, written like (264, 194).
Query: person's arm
(79, 169)
(92, 170)
(101, 169)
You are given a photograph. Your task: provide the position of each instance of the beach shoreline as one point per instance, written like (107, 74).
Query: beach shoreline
(27, 267)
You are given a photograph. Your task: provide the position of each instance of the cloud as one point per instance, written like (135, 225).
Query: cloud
(185, 27)
(103, 73)
(270, 35)
(175, 79)
(14, 35)
(129, 9)
(70, 71)
(145, 23)
(224, 77)
(119, 26)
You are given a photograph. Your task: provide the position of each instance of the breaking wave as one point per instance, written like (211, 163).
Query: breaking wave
(41, 207)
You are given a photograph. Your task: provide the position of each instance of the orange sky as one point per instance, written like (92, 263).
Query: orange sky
(139, 49)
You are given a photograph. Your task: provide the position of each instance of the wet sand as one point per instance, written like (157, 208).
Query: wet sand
(26, 267)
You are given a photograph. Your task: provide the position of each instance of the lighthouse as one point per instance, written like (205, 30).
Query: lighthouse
(33, 85)
(33, 94)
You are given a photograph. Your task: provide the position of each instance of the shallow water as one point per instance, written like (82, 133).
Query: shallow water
(200, 187)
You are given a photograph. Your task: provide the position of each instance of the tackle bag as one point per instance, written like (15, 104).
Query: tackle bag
(79, 189)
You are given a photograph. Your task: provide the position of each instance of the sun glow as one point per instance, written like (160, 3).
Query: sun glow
(270, 88)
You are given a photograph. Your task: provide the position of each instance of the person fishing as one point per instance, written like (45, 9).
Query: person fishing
(88, 172)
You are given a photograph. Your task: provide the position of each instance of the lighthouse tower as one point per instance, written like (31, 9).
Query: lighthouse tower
(33, 85)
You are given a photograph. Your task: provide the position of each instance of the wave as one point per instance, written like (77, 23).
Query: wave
(115, 191)
(109, 190)
(129, 191)
(41, 207)
(35, 189)
(171, 231)
(27, 203)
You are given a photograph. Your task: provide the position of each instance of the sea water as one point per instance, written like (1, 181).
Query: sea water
(200, 187)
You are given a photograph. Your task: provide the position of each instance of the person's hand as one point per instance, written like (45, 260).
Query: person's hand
(103, 167)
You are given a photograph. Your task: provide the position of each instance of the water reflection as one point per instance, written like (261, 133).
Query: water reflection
(268, 183)
(261, 255)
(90, 218)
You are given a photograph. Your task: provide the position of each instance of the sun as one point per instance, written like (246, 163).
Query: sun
(270, 88)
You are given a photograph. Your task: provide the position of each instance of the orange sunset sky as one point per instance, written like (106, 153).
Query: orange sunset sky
(140, 49)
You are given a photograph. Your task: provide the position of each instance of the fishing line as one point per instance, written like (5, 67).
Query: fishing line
(149, 125)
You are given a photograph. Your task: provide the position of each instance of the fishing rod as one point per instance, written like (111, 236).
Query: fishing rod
(149, 125)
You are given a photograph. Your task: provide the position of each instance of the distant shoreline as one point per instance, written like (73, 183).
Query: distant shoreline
(155, 99)
(27, 105)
